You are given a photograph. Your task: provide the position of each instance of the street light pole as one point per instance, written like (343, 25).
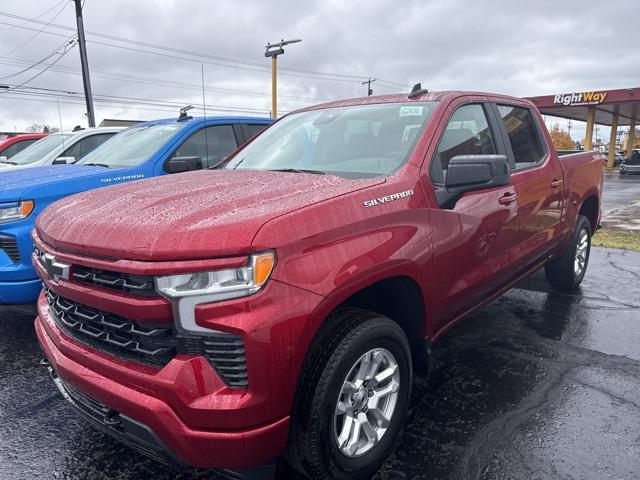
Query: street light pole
(273, 50)
(85, 65)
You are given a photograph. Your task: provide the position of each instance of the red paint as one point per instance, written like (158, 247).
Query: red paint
(22, 137)
(328, 247)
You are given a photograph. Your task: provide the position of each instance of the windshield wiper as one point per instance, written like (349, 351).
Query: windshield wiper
(96, 165)
(298, 170)
(10, 163)
(237, 164)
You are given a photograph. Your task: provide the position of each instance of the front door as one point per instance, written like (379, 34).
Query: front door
(473, 243)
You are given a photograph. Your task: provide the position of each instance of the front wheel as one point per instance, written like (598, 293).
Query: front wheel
(353, 399)
(568, 270)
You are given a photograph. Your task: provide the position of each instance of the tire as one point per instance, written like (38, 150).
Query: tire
(323, 403)
(563, 272)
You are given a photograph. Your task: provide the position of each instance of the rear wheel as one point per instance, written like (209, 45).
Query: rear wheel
(353, 398)
(568, 270)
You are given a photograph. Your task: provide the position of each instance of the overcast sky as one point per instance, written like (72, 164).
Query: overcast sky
(519, 48)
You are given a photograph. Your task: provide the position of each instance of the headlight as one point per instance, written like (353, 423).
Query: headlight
(187, 291)
(16, 211)
(231, 283)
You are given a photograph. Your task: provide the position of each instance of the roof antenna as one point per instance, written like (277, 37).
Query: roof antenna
(183, 113)
(206, 133)
(60, 120)
(417, 90)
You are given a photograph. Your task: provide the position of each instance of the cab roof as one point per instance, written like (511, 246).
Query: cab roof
(444, 95)
(217, 118)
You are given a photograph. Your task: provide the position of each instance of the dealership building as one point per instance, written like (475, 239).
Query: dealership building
(614, 108)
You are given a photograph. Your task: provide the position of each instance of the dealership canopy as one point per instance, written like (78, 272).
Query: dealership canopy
(604, 107)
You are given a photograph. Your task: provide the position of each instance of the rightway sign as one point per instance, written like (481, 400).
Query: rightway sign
(583, 98)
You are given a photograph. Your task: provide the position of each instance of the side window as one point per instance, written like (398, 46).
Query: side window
(467, 133)
(12, 149)
(523, 135)
(211, 144)
(84, 146)
(254, 129)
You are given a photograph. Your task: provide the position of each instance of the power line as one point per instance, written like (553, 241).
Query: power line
(39, 61)
(229, 62)
(142, 80)
(46, 25)
(67, 49)
(50, 92)
(133, 106)
(37, 16)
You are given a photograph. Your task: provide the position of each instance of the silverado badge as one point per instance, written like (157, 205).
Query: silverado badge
(388, 198)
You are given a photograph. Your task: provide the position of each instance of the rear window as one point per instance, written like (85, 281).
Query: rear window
(524, 136)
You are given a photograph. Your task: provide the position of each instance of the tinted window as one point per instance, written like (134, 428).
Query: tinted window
(211, 144)
(84, 146)
(467, 133)
(14, 148)
(523, 135)
(353, 142)
(253, 130)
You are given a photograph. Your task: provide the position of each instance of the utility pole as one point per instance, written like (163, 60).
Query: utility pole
(85, 65)
(569, 127)
(273, 50)
(368, 84)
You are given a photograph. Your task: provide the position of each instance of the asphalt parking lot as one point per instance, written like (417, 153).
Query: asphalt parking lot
(540, 384)
(619, 191)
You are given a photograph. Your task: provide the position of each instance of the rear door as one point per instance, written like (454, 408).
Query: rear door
(473, 242)
(537, 178)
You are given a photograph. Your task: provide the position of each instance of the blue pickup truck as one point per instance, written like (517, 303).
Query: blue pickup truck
(143, 151)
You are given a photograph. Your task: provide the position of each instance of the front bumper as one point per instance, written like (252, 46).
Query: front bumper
(12, 293)
(19, 282)
(150, 425)
(630, 169)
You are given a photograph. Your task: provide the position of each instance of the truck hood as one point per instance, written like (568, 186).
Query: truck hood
(196, 215)
(37, 182)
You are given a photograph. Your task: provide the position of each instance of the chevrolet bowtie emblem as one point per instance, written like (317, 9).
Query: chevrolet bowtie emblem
(55, 270)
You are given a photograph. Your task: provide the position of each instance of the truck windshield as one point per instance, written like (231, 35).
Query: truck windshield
(131, 147)
(39, 149)
(352, 142)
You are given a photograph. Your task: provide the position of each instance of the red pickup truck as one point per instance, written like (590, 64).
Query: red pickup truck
(277, 306)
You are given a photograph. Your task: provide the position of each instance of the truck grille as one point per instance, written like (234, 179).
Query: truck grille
(10, 247)
(151, 344)
(135, 284)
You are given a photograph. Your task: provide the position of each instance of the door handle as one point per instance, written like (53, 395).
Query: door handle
(508, 199)
(556, 183)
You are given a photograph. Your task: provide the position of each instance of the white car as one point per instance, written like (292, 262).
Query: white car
(59, 148)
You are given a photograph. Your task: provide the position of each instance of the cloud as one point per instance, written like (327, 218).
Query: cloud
(518, 48)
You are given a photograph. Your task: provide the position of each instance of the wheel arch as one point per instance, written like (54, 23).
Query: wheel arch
(398, 296)
(590, 208)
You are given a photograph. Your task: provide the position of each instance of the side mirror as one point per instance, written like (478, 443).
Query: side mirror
(182, 164)
(3, 159)
(64, 161)
(467, 173)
